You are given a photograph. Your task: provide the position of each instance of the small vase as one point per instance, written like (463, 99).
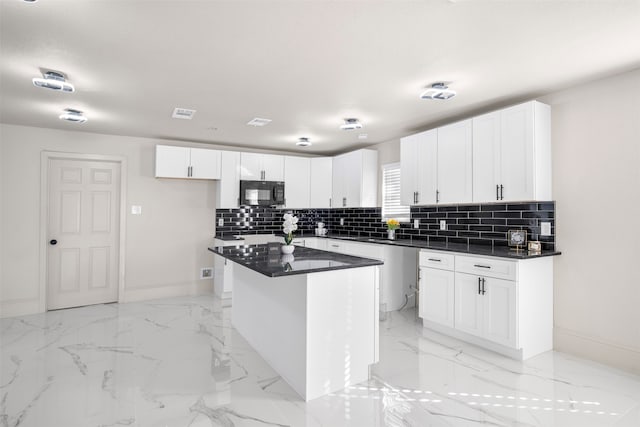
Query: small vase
(391, 234)
(287, 249)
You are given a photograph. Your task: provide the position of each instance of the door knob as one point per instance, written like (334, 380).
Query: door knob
(53, 242)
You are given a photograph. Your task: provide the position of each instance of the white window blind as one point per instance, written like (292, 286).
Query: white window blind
(391, 206)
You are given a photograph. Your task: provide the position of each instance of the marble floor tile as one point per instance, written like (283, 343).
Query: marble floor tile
(179, 362)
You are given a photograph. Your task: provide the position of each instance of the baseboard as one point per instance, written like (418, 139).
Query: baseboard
(12, 308)
(598, 350)
(201, 287)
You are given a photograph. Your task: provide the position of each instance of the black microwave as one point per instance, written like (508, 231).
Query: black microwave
(261, 193)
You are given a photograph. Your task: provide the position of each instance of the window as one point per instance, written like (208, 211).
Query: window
(391, 206)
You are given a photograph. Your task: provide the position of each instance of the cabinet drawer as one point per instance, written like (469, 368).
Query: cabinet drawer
(436, 260)
(490, 267)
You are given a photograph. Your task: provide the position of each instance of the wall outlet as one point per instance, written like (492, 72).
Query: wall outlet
(136, 210)
(220, 222)
(443, 224)
(545, 229)
(341, 221)
(206, 273)
(416, 223)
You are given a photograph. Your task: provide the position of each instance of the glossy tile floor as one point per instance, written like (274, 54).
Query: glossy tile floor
(179, 362)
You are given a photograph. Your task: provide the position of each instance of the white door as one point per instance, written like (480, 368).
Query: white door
(273, 167)
(296, 182)
(486, 157)
(468, 304)
(339, 185)
(517, 152)
(251, 166)
(436, 295)
(428, 167)
(499, 299)
(228, 188)
(353, 179)
(83, 231)
(455, 163)
(205, 164)
(409, 170)
(320, 188)
(172, 162)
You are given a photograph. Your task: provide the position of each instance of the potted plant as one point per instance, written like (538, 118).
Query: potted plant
(289, 225)
(392, 226)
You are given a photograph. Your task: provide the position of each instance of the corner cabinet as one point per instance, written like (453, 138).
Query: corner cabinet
(500, 304)
(296, 182)
(261, 167)
(355, 179)
(512, 154)
(187, 163)
(321, 184)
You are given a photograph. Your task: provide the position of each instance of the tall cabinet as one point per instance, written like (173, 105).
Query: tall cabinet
(296, 182)
(321, 184)
(512, 154)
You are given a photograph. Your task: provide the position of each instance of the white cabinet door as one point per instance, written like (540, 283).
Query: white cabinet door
(437, 295)
(353, 179)
(228, 190)
(428, 167)
(296, 182)
(486, 157)
(517, 152)
(455, 178)
(205, 164)
(251, 166)
(273, 167)
(339, 174)
(172, 162)
(468, 304)
(321, 183)
(409, 170)
(499, 311)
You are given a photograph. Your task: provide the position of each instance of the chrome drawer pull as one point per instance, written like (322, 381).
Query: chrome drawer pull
(481, 266)
(435, 259)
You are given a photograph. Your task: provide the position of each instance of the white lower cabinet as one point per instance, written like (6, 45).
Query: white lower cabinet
(500, 304)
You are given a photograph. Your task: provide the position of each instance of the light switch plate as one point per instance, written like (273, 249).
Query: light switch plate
(545, 229)
(220, 222)
(416, 223)
(136, 210)
(443, 224)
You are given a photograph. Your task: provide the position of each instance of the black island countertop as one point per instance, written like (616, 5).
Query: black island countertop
(267, 259)
(484, 250)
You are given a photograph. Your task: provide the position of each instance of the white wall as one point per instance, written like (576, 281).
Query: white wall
(165, 247)
(596, 184)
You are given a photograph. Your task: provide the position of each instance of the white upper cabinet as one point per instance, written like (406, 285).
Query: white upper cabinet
(261, 167)
(296, 182)
(455, 178)
(419, 168)
(512, 154)
(355, 179)
(228, 190)
(321, 184)
(185, 162)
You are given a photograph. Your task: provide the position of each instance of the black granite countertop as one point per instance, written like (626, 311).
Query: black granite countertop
(267, 259)
(496, 251)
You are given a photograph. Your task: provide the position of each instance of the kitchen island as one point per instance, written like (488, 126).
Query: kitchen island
(311, 315)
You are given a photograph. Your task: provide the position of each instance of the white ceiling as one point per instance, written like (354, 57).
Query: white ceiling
(306, 65)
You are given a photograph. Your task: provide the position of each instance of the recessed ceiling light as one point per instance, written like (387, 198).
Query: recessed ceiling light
(53, 80)
(363, 136)
(72, 115)
(259, 122)
(438, 91)
(351, 124)
(183, 113)
(303, 142)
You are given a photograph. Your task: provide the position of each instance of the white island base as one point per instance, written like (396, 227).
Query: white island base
(319, 331)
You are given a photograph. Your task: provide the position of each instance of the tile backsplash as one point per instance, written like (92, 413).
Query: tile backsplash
(478, 224)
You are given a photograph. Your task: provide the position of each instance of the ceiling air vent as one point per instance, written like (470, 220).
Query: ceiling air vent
(183, 113)
(259, 122)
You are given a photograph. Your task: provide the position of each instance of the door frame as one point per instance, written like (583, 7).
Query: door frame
(45, 157)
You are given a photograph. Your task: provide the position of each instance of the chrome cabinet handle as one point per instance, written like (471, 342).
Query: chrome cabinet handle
(483, 291)
(437, 196)
(501, 192)
(497, 192)
(479, 283)
(481, 266)
(435, 259)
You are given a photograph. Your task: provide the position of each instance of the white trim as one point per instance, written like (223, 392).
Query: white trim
(45, 157)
